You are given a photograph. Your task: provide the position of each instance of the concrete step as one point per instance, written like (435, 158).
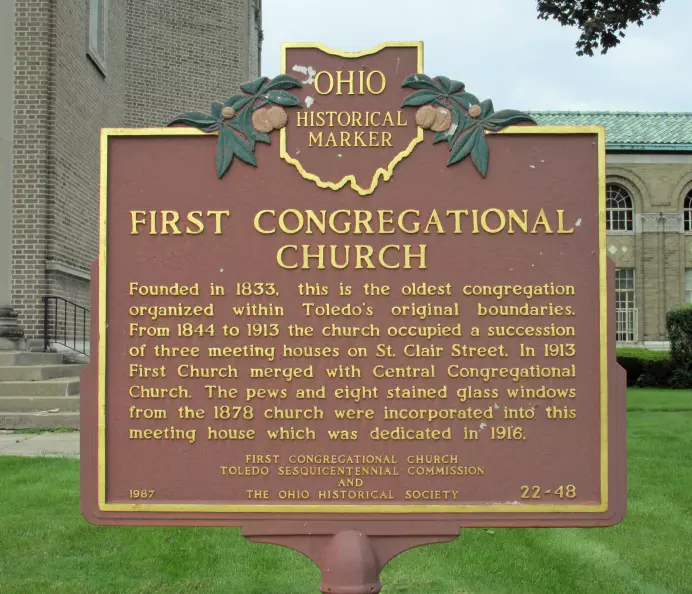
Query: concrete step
(62, 386)
(15, 373)
(21, 404)
(8, 359)
(29, 420)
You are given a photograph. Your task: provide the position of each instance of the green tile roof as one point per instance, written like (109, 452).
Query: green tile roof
(629, 131)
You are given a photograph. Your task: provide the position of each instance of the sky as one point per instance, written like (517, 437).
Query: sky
(501, 51)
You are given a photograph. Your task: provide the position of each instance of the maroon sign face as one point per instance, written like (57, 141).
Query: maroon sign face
(275, 346)
(353, 130)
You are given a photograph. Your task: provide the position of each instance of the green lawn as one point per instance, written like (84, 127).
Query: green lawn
(649, 399)
(46, 546)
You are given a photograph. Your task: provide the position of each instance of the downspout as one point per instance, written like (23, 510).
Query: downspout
(662, 276)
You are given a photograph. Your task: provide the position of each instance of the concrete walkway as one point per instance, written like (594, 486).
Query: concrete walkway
(42, 444)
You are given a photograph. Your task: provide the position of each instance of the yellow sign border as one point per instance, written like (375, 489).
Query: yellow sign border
(384, 173)
(106, 133)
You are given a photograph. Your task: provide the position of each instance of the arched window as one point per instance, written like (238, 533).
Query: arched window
(618, 208)
(688, 211)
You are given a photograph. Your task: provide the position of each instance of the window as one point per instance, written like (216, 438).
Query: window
(688, 285)
(626, 313)
(97, 32)
(618, 208)
(688, 211)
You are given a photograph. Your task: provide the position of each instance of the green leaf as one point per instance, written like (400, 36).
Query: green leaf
(197, 119)
(235, 124)
(283, 98)
(480, 153)
(243, 123)
(486, 108)
(444, 82)
(232, 99)
(224, 151)
(465, 99)
(450, 86)
(216, 108)
(420, 81)
(456, 86)
(420, 98)
(449, 134)
(463, 146)
(283, 81)
(230, 145)
(465, 124)
(507, 117)
(240, 148)
(242, 102)
(255, 86)
(460, 124)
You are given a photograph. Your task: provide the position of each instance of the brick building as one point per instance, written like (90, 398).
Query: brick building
(68, 69)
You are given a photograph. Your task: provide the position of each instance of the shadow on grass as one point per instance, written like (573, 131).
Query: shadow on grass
(46, 545)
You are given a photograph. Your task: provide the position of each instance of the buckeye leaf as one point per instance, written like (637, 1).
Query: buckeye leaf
(420, 98)
(507, 117)
(232, 99)
(262, 137)
(465, 99)
(456, 86)
(283, 81)
(241, 102)
(224, 151)
(254, 86)
(464, 125)
(243, 123)
(463, 146)
(283, 98)
(444, 82)
(480, 153)
(450, 86)
(196, 119)
(420, 81)
(236, 124)
(449, 134)
(240, 148)
(216, 108)
(486, 108)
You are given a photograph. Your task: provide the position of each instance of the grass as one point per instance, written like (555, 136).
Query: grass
(31, 431)
(652, 400)
(46, 546)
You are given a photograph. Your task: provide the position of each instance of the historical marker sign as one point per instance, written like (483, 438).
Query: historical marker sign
(353, 323)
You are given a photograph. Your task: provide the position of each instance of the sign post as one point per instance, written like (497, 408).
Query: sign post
(351, 310)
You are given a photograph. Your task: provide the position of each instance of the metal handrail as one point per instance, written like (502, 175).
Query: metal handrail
(64, 329)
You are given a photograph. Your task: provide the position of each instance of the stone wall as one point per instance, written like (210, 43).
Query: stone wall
(657, 248)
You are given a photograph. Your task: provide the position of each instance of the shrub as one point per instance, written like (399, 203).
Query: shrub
(645, 368)
(680, 379)
(679, 326)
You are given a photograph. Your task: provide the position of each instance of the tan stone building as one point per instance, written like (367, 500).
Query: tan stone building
(67, 69)
(648, 215)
